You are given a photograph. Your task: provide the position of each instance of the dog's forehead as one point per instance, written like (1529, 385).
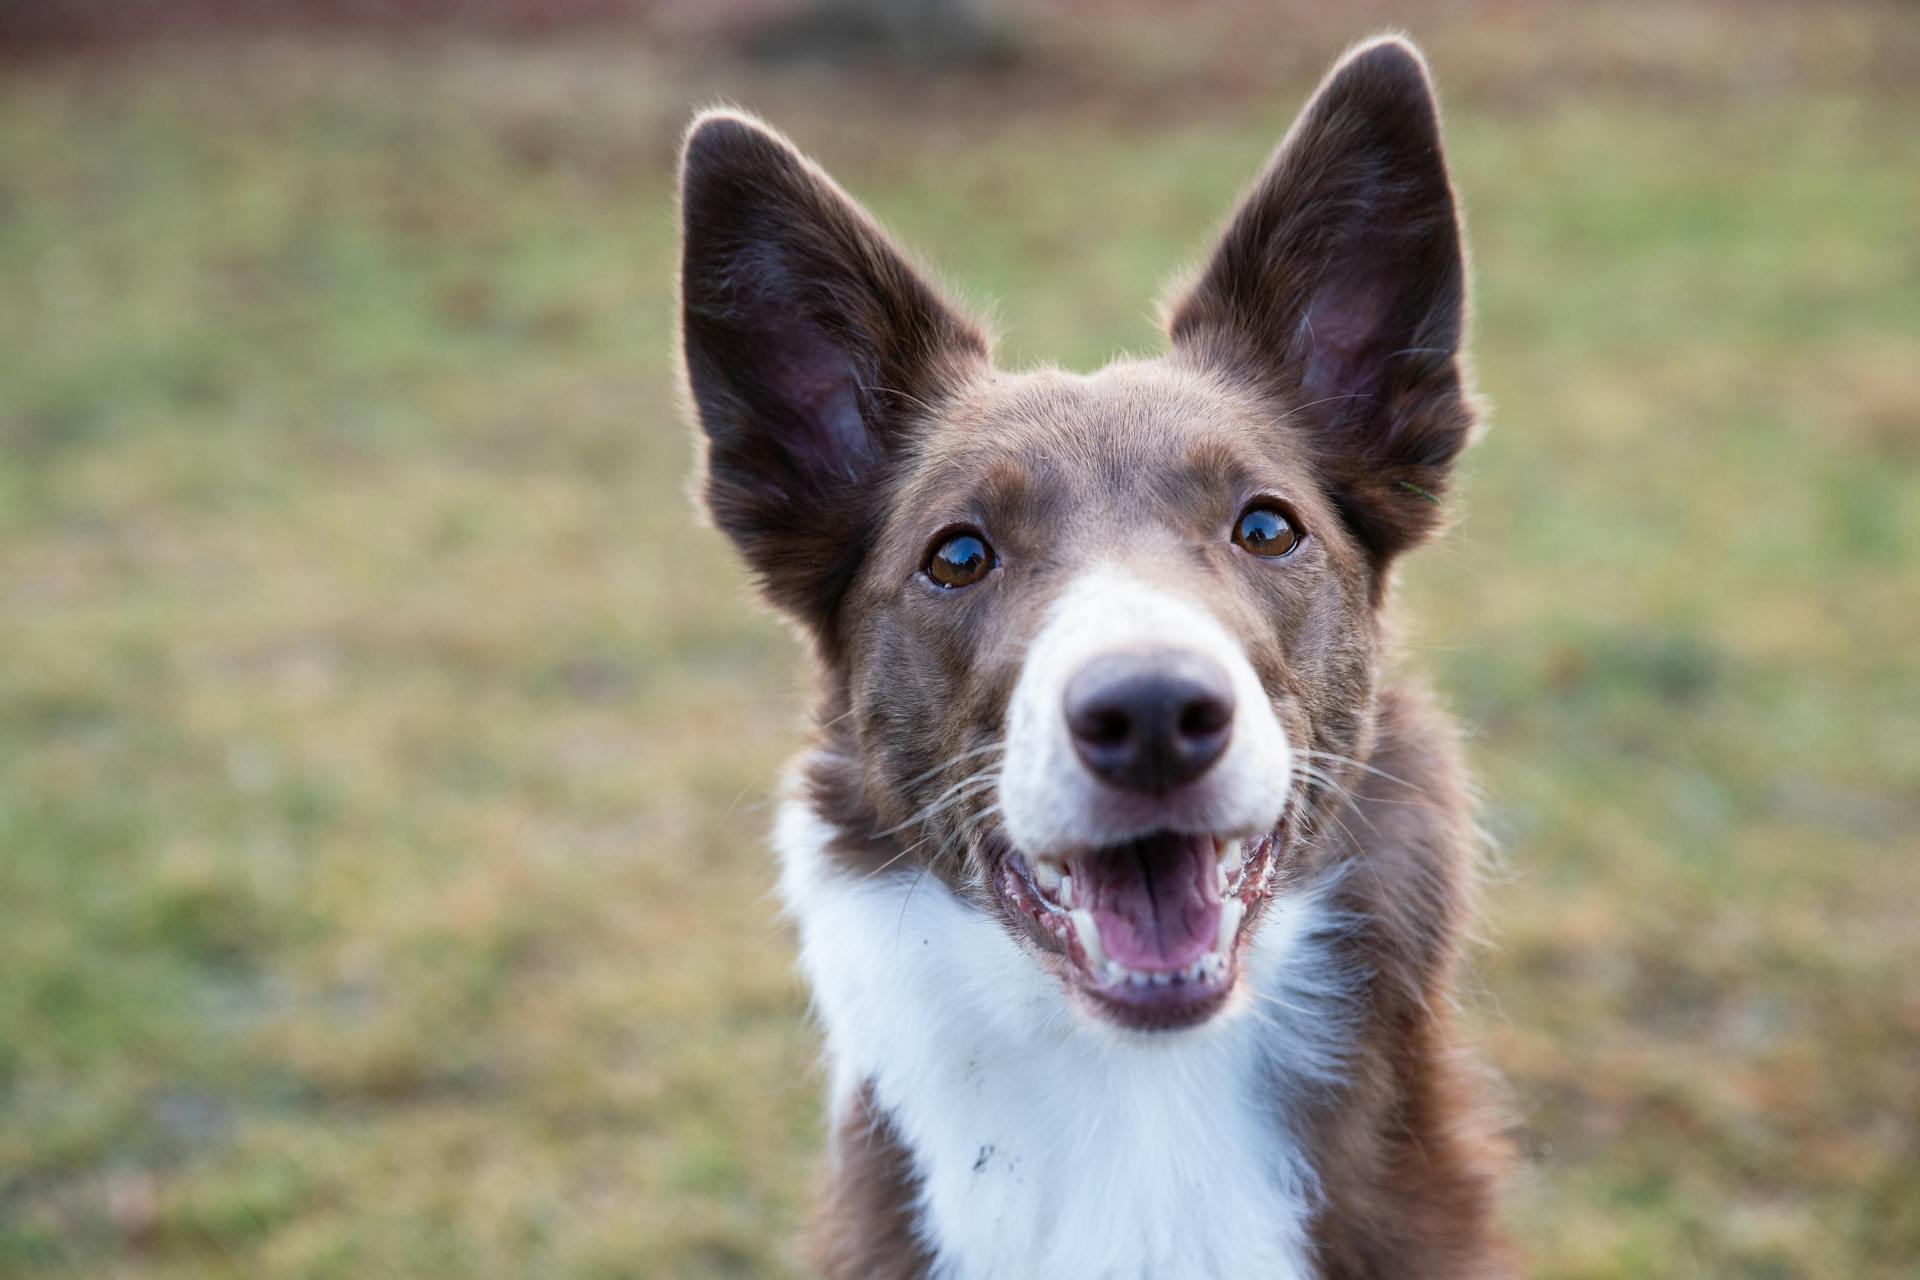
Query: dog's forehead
(1127, 429)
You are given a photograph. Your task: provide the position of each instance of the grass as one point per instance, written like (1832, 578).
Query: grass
(384, 750)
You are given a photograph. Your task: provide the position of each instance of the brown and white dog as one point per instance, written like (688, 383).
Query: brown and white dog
(1129, 890)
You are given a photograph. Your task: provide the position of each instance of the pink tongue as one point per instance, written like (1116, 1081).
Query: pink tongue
(1154, 900)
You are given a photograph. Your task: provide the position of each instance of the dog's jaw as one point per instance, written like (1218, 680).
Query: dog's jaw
(1139, 903)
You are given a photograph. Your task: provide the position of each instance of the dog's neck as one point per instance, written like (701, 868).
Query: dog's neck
(1039, 1142)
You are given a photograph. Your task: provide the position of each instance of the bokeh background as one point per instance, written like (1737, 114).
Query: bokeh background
(385, 750)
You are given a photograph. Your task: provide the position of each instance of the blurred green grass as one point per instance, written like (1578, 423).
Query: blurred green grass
(384, 751)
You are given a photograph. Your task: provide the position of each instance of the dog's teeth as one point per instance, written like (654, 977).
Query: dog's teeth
(1162, 977)
(1089, 934)
(1220, 885)
(1231, 912)
(1231, 866)
(1046, 874)
(1066, 892)
(1232, 856)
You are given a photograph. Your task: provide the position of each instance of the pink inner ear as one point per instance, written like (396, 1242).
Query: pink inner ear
(1344, 332)
(814, 382)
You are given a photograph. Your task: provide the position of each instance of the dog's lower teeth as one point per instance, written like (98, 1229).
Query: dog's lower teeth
(1066, 892)
(1206, 968)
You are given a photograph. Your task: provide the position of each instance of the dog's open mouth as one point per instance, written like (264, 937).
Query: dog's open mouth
(1152, 928)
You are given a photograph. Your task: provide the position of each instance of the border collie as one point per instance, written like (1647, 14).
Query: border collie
(1129, 887)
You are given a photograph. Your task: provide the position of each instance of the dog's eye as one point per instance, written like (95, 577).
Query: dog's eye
(1266, 530)
(960, 560)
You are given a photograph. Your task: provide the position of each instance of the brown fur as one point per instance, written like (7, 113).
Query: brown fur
(1408, 1154)
(864, 1226)
(849, 416)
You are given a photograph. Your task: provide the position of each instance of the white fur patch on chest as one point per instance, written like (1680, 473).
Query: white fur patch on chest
(1048, 1145)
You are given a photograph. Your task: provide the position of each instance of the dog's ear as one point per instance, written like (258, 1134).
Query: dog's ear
(1339, 285)
(812, 350)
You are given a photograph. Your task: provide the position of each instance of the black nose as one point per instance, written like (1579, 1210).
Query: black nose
(1150, 721)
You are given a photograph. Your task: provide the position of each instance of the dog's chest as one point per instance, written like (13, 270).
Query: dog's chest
(1046, 1147)
(1034, 1168)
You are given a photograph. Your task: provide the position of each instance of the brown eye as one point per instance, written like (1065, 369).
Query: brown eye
(960, 560)
(1267, 531)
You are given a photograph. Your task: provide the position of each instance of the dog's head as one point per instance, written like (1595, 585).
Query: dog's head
(1098, 647)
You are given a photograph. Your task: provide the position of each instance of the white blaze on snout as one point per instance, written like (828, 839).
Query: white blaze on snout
(1053, 805)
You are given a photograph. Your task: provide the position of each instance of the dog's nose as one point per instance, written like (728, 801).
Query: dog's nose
(1150, 721)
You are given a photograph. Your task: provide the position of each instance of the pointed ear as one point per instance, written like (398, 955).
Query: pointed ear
(1340, 287)
(812, 352)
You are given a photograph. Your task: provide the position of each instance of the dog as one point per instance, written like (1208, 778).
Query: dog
(1130, 887)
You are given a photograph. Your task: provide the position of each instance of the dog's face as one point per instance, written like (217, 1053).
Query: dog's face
(1100, 648)
(1102, 624)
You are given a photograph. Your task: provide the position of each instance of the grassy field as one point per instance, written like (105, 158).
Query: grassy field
(384, 750)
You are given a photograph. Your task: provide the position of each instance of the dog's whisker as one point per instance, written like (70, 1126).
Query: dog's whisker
(957, 758)
(958, 793)
(1266, 998)
(985, 772)
(1361, 765)
(1300, 408)
(1325, 782)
